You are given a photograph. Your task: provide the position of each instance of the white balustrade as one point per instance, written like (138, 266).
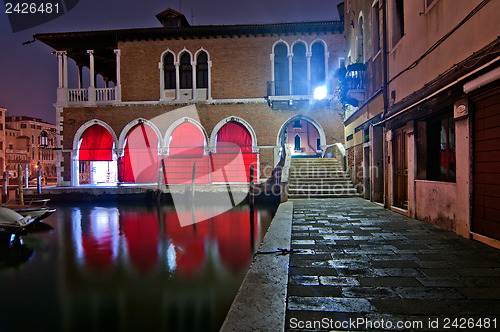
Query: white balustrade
(78, 95)
(105, 94)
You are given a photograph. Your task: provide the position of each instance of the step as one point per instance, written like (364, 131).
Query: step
(296, 196)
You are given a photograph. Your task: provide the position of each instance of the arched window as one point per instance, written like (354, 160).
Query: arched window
(299, 70)
(317, 65)
(202, 70)
(297, 143)
(169, 71)
(186, 71)
(281, 78)
(360, 41)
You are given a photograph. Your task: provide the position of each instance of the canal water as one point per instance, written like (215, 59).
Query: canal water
(128, 268)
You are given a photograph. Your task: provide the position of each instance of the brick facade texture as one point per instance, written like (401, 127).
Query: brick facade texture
(241, 68)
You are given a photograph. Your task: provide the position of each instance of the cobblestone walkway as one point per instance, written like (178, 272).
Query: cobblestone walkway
(362, 267)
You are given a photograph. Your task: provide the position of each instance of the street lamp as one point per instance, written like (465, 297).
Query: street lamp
(320, 92)
(44, 139)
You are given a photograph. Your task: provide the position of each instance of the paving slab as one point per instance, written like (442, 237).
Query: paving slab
(363, 266)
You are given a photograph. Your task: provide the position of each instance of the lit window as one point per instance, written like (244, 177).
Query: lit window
(299, 70)
(318, 65)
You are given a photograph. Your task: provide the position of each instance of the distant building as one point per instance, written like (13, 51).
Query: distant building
(2, 140)
(422, 109)
(252, 85)
(30, 141)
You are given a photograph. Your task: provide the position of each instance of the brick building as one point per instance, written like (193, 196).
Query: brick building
(422, 109)
(2, 139)
(163, 97)
(29, 141)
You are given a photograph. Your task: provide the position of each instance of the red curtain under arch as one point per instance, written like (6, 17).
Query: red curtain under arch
(186, 148)
(96, 144)
(233, 157)
(140, 159)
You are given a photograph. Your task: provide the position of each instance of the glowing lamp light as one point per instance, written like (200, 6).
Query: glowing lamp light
(320, 92)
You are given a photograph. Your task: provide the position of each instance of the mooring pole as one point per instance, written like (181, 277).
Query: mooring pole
(39, 178)
(5, 188)
(251, 193)
(20, 183)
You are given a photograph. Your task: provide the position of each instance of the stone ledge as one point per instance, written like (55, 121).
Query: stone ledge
(260, 304)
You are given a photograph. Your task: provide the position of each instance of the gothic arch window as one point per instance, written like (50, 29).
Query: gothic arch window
(318, 70)
(360, 40)
(202, 70)
(185, 71)
(297, 142)
(281, 69)
(299, 69)
(169, 71)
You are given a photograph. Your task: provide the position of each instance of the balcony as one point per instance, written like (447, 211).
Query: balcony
(88, 97)
(355, 83)
(290, 90)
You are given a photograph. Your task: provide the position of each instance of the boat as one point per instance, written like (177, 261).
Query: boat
(12, 223)
(35, 209)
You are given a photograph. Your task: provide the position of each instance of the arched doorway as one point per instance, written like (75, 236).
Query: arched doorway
(186, 146)
(305, 137)
(97, 163)
(233, 154)
(139, 163)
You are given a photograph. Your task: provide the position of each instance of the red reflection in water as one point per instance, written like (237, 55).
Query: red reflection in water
(97, 250)
(236, 236)
(141, 231)
(189, 242)
(146, 234)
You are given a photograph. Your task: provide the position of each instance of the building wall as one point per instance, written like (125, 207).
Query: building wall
(423, 31)
(440, 202)
(265, 122)
(241, 66)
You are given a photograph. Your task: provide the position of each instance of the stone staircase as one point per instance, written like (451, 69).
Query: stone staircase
(319, 178)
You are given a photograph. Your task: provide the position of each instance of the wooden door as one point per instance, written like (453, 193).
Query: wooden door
(486, 163)
(400, 169)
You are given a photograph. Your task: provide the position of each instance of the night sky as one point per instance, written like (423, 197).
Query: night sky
(28, 73)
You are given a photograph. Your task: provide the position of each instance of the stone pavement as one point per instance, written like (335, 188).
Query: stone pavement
(362, 267)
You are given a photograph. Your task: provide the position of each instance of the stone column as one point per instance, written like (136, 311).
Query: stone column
(177, 80)
(118, 87)
(193, 75)
(308, 58)
(92, 96)
(209, 88)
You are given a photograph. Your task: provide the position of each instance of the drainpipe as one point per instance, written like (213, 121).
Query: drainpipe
(385, 69)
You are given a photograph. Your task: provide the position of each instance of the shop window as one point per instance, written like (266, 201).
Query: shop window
(436, 149)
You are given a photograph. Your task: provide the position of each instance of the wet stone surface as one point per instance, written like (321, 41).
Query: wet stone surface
(360, 262)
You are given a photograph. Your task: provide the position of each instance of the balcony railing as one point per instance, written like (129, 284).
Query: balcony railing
(105, 94)
(88, 96)
(289, 88)
(78, 95)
